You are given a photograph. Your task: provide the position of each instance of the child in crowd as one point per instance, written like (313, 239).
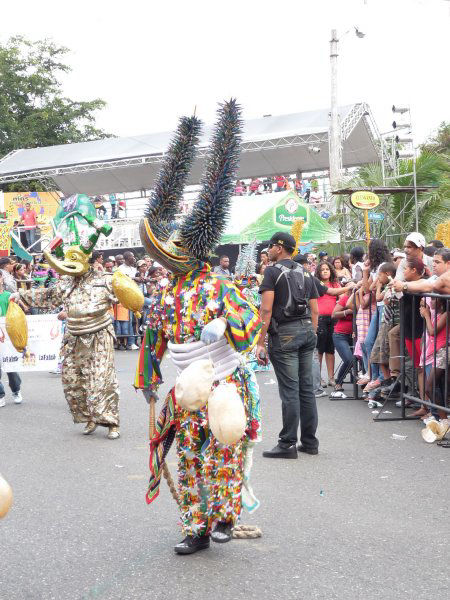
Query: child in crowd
(380, 351)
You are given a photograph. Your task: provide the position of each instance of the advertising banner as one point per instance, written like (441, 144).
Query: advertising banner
(45, 204)
(44, 344)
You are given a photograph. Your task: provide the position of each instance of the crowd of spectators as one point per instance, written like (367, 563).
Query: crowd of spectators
(359, 316)
(308, 189)
(117, 206)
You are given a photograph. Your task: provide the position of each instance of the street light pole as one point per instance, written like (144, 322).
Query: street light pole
(334, 136)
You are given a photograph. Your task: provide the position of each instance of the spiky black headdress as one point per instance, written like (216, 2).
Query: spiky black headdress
(180, 250)
(203, 227)
(172, 178)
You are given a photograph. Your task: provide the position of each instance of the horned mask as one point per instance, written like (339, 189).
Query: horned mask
(183, 246)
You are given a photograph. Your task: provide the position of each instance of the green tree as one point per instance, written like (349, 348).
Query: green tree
(33, 110)
(432, 169)
(440, 141)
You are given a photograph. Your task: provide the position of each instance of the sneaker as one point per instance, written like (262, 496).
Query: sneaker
(2, 402)
(320, 394)
(372, 385)
(337, 395)
(387, 382)
(17, 397)
(134, 347)
(391, 390)
(222, 533)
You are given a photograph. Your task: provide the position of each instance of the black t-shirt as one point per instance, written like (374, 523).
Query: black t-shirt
(271, 274)
(408, 317)
(321, 289)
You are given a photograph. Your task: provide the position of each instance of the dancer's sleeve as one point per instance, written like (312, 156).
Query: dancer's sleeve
(46, 298)
(243, 322)
(148, 372)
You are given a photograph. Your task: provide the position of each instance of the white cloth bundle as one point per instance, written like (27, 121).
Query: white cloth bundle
(193, 385)
(226, 414)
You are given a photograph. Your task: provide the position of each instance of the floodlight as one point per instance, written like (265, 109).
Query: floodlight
(404, 154)
(396, 125)
(400, 109)
(405, 140)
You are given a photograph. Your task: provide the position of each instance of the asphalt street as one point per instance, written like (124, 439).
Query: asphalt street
(366, 518)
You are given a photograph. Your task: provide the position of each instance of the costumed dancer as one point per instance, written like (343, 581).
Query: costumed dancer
(247, 281)
(88, 373)
(205, 324)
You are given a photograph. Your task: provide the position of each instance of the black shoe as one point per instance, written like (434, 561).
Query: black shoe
(307, 450)
(279, 452)
(391, 390)
(192, 544)
(222, 533)
(387, 382)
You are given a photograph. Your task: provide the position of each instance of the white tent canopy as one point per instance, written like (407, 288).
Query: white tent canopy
(271, 145)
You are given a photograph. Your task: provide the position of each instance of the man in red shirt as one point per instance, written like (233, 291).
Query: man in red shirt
(254, 186)
(29, 220)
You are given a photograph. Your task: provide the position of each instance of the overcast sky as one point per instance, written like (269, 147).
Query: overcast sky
(153, 61)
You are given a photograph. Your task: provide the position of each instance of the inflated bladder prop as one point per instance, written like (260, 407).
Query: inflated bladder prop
(435, 430)
(6, 497)
(193, 385)
(226, 414)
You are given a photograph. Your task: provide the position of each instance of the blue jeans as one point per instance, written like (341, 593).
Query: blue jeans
(316, 373)
(14, 383)
(343, 343)
(291, 352)
(123, 332)
(30, 236)
(369, 342)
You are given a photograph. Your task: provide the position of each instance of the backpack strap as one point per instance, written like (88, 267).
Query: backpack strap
(285, 270)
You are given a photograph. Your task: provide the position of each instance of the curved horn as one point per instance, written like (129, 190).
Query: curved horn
(172, 178)
(202, 228)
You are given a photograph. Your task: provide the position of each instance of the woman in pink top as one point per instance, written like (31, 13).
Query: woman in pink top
(435, 317)
(326, 303)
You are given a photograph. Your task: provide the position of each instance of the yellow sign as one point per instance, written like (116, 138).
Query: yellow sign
(45, 204)
(366, 200)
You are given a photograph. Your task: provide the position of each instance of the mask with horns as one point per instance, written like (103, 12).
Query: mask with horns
(181, 247)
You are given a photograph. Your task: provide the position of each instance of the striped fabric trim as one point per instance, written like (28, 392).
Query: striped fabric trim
(160, 445)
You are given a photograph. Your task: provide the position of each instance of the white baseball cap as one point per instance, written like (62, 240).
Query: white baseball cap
(416, 238)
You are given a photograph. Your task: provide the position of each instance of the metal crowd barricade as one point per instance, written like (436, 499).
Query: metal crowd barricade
(413, 395)
(353, 367)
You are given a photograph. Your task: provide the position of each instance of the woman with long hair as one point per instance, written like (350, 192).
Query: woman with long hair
(343, 340)
(341, 271)
(326, 273)
(20, 275)
(378, 254)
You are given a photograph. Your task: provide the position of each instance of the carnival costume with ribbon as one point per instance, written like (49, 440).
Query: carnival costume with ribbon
(88, 373)
(205, 324)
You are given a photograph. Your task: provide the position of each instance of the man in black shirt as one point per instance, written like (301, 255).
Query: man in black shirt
(292, 340)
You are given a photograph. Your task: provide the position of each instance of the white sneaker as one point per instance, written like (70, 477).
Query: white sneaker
(320, 394)
(134, 347)
(2, 402)
(17, 397)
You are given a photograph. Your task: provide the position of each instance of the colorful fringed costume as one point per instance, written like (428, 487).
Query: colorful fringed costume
(210, 474)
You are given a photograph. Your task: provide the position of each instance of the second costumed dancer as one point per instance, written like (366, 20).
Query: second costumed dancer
(205, 324)
(88, 374)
